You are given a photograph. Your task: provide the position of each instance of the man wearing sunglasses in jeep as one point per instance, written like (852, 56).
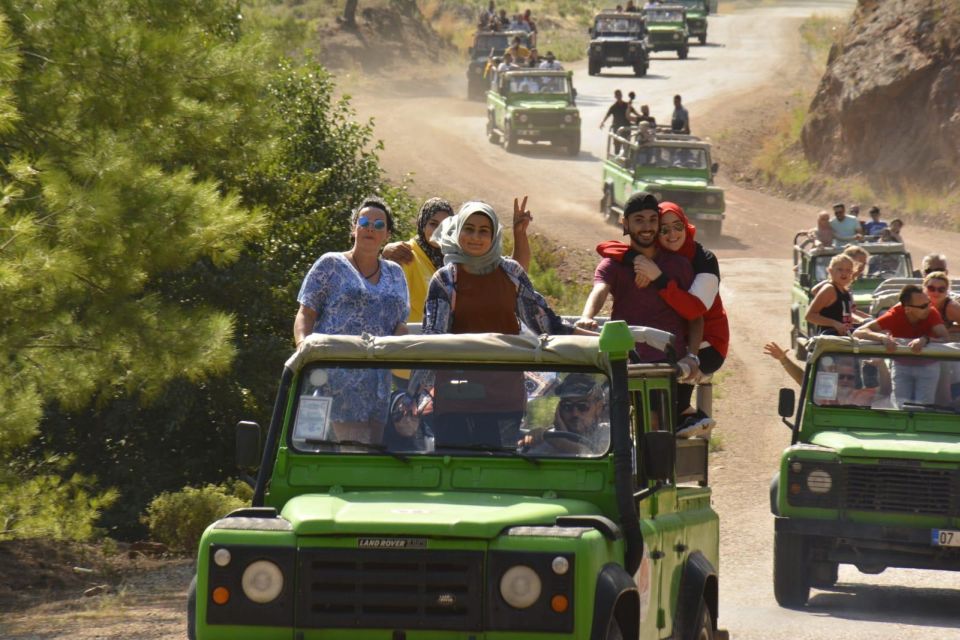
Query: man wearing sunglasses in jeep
(915, 380)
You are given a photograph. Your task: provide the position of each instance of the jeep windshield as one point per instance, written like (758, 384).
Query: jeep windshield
(539, 85)
(919, 383)
(618, 26)
(670, 157)
(691, 5)
(664, 15)
(532, 413)
(880, 266)
(496, 41)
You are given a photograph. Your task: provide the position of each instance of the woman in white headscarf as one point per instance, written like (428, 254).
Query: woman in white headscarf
(478, 290)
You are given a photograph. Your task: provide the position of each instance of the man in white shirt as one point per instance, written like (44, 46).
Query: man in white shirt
(846, 228)
(550, 63)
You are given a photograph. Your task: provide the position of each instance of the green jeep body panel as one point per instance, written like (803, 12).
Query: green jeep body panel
(487, 44)
(869, 479)
(697, 11)
(889, 261)
(418, 547)
(667, 28)
(674, 167)
(534, 105)
(618, 40)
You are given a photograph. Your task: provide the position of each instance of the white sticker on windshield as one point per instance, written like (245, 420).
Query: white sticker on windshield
(826, 388)
(313, 418)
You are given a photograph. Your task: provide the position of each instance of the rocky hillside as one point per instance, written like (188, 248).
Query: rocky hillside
(888, 105)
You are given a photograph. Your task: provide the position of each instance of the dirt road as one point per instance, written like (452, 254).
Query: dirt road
(753, 55)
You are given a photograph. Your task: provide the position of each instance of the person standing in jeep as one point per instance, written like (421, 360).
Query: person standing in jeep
(619, 110)
(680, 122)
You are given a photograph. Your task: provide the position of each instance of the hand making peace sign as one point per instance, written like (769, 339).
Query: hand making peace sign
(521, 216)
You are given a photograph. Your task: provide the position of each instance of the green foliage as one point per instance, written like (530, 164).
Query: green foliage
(179, 519)
(37, 502)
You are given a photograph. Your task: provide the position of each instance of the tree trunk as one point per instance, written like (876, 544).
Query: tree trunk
(350, 13)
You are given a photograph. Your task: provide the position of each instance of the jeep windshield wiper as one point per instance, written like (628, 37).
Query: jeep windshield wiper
(940, 408)
(379, 448)
(489, 448)
(854, 406)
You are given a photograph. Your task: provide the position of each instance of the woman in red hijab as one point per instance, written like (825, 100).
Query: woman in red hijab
(702, 299)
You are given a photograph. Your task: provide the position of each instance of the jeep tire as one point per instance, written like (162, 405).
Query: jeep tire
(192, 610)
(682, 52)
(573, 145)
(702, 629)
(492, 134)
(639, 69)
(509, 138)
(791, 580)
(606, 206)
(703, 38)
(593, 67)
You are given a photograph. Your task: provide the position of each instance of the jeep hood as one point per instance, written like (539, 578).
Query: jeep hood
(912, 446)
(446, 514)
(678, 183)
(666, 27)
(534, 105)
(623, 38)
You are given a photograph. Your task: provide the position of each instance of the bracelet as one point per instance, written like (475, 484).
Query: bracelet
(694, 357)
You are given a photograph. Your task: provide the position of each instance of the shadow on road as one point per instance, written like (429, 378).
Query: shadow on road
(632, 76)
(549, 152)
(902, 605)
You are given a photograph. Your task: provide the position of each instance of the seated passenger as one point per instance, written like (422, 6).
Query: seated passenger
(893, 232)
(831, 310)
(580, 426)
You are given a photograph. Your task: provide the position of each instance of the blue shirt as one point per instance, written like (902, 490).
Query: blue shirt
(874, 228)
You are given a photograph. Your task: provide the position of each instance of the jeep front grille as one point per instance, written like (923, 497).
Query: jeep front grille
(616, 49)
(548, 119)
(389, 589)
(903, 489)
(687, 199)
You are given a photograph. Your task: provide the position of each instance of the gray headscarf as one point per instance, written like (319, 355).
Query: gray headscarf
(447, 236)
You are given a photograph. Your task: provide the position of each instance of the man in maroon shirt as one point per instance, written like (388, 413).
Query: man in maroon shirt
(913, 318)
(643, 306)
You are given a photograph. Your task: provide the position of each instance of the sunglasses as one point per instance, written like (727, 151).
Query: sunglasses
(667, 228)
(930, 287)
(917, 306)
(365, 223)
(582, 407)
(846, 376)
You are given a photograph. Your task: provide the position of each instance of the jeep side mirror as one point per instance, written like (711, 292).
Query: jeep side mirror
(787, 403)
(248, 445)
(659, 455)
(715, 167)
(805, 280)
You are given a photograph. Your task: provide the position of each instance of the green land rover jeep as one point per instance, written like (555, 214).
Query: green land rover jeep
(534, 105)
(524, 491)
(487, 44)
(696, 18)
(618, 40)
(667, 28)
(872, 477)
(673, 167)
(888, 261)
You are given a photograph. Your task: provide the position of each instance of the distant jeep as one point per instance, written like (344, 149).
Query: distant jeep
(535, 105)
(697, 11)
(667, 28)
(487, 44)
(673, 167)
(617, 40)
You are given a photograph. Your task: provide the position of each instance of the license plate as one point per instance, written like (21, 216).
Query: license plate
(615, 58)
(945, 538)
(529, 132)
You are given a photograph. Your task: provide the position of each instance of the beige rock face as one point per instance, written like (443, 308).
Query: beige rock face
(889, 102)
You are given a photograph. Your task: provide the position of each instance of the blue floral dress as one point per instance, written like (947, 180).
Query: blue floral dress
(348, 304)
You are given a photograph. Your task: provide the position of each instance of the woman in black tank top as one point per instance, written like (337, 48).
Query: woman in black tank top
(831, 312)
(937, 287)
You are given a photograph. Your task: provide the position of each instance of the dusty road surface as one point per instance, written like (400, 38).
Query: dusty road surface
(431, 131)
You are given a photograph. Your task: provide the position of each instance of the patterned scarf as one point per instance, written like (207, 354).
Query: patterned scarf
(427, 211)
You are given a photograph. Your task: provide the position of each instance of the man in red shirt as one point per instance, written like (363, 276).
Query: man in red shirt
(913, 318)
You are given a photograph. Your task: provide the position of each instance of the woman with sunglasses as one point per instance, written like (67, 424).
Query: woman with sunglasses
(352, 293)
(677, 234)
(937, 286)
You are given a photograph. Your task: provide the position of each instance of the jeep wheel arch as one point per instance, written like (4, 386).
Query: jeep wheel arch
(698, 585)
(616, 599)
(192, 609)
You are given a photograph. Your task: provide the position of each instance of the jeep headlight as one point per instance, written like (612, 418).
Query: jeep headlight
(568, 118)
(262, 581)
(520, 586)
(711, 199)
(523, 117)
(676, 36)
(819, 481)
